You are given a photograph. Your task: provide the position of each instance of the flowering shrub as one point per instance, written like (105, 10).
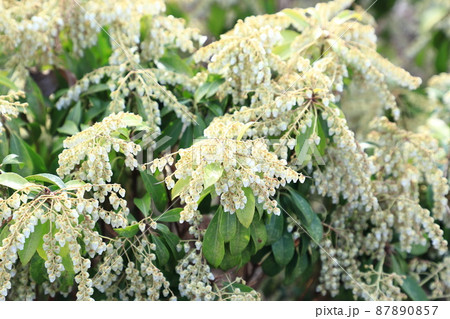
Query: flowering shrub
(142, 163)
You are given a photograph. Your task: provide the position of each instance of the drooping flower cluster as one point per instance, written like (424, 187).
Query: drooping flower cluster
(196, 281)
(405, 161)
(145, 86)
(142, 279)
(32, 31)
(439, 91)
(63, 218)
(229, 165)
(10, 106)
(276, 59)
(86, 154)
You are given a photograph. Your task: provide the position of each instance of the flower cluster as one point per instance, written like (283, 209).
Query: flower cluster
(230, 166)
(243, 55)
(142, 279)
(196, 281)
(439, 91)
(348, 171)
(410, 161)
(32, 31)
(148, 86)
(92, 146)
(63, 218)
(10, 106)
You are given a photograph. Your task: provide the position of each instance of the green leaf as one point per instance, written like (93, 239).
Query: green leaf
(302, 138)
(227, 224)
(270, 266)
(32, 161)
(245, 215)
(36, 102)
(128, 231)
(169, 216)
(298, 265)
(410, 285)
(11, 159)
(213, 245)
(31, 244)
(156, 190)
(240, 240)
(162, 253)
(180, 186)
(320, 132)
(232, 286)
(297, 17)
(205, 193)
(211, 174)
(67, 262)
(209, 88)
(69, 128)
(413, 289)
(38, 272)
(5, 232)
(170, 239)
(7, 82)
(95, 89)
(132, 119)
(40, 248)
(258, 233)
(308, 218)
(283, 50)
(75, 114)
(48, 178)
(230, 260)
(283, 249)
(175, 64)
(13, 180)
(144, 204)
(274, 228)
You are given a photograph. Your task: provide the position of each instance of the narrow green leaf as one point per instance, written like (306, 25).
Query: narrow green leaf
(95, 89)
(174, 63)
(228, 225)
(162, 253)
(274, 228)
(180, 186)
(48, 178)
(245, 215)
(31, 244)
(38, 272)
(11, 159)
(7, 82)
(413, 289)
(240, 240)
(309, 219)
(169, 216)
(297, 17)
(283, 249)
(258, 233)
(156, 190)
(213, 245)
(230, 260)
(270, 266)
(144, 204)
(69, 128)
(128, 231)
(13, 180)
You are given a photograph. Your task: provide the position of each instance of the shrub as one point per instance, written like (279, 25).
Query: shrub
(140, 163)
